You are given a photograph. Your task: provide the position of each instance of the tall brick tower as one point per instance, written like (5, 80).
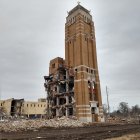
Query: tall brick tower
(80, 54)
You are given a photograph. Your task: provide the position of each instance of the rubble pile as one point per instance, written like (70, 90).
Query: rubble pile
(24, 125)
(64, 122)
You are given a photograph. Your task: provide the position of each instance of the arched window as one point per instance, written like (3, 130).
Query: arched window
(85, 18)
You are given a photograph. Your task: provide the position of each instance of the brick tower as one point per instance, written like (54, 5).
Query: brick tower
(80, 54)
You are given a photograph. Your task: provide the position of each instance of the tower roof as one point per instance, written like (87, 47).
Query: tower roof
(77, 8)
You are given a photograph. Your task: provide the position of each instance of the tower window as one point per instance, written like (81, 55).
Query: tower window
(90, 96)
(87, 69)
(85, 18)
(73, 19)
(70, 111)
(93, 109)
(55, 88)
(53, 65)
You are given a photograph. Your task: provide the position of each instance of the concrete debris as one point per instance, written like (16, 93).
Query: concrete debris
(24, 125)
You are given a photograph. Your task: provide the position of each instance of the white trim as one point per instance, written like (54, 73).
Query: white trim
(81, 80)
(84, 113)
(85, 81)
(88, 109)
(75, 35)
(82, 105)
(93, 102)
(77, 25)
(78, 80)
(87, 73)
(85, 119)
(101, 113)
(84, 66)
(80, 34)
(83, 72)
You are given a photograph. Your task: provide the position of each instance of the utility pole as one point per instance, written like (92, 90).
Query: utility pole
(107, 102)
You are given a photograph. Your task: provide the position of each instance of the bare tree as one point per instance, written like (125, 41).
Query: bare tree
(135, 110)
(124, 109)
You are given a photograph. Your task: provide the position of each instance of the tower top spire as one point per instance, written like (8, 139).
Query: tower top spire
(78, 2)
(79, 6)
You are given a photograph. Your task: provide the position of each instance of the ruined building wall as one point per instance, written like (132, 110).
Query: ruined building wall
(19, 107)
(59, 86)
(6, 104)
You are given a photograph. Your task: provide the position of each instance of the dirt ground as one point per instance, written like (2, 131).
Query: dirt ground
(127, 137)
(93, 132)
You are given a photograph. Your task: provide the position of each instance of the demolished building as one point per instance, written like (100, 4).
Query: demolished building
(12, 107)
(60, 89)
(73, 86)
(20, 107)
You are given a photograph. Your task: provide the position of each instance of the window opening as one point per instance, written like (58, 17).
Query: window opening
(53, 65)
(93, 109)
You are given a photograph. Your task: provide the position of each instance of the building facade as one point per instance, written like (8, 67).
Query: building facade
(19, 107)
(34, 109)
(81, 60)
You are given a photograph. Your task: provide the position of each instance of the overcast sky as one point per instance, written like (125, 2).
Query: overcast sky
(32, 33)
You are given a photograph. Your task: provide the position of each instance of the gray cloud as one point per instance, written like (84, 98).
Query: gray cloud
(32, 33)
(118, 39)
